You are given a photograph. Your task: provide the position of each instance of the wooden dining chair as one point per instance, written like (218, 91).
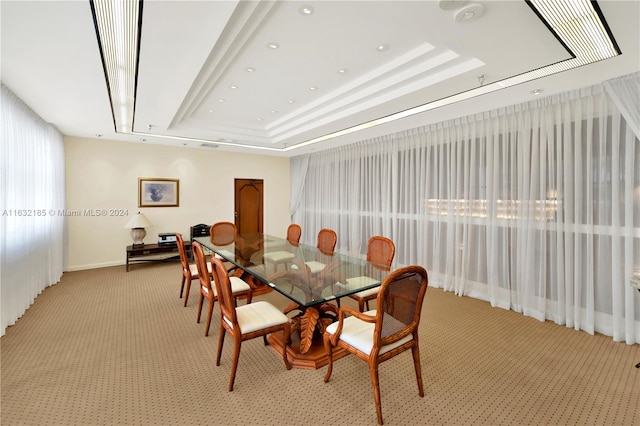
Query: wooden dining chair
(327, 240)
(279, 257)
(223, 233)
(377, 336)
(294, 232)
(247, 321)
(209, 291)
(189, 270)
(380, 253)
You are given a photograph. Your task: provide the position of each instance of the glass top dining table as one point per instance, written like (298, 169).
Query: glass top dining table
(303, 273)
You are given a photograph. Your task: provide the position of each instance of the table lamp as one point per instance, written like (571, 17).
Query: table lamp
(137, 223)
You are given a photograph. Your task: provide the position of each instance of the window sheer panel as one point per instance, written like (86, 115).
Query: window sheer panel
(534, 207)
(625, 94)
(32, 197)
(299, 166)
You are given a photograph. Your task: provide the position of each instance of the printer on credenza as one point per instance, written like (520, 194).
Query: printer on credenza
(167, 239)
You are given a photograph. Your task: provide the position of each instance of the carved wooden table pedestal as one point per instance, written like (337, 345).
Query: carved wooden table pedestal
(314, 358)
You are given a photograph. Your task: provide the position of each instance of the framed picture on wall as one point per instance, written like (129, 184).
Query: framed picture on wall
(158, 192)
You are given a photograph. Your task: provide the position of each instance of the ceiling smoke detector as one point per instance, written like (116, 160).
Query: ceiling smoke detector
(469, 13)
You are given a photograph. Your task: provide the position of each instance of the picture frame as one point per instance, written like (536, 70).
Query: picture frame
(158, 192)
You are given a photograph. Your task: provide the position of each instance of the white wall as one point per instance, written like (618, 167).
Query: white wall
(102, 174)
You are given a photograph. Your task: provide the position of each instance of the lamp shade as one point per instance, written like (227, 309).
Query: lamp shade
(138, 220)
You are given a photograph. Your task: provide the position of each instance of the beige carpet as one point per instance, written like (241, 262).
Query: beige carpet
(109, 347)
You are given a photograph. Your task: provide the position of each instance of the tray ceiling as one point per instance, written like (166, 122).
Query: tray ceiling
(271, 77)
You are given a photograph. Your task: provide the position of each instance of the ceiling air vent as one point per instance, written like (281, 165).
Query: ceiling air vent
(208, 145)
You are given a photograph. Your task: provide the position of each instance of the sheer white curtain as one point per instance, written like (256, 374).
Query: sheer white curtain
(299, 167)
(624, 92)
(535, 207)
(32, 197)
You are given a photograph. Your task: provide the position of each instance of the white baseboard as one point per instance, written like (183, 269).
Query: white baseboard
(94, 266)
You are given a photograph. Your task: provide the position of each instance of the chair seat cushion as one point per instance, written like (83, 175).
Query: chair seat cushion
(315, 266)
(194, 269)
(367, 293)
(278, 256)
(237, 285)
(359, 334)
(258, 315)
(361, 282)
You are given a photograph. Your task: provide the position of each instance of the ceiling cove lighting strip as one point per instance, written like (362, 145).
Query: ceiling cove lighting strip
(117, 24)
(204, 141)
(578, 24)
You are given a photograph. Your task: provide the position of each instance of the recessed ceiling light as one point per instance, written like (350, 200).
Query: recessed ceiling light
(233, 86)
(211, 110)
(382, 47)
(249, 69)
(312, 88)
(291, 101)
(274, 111)
(343, 71)
(273, 45)
(536, 92)
(260, 119)
(220, 100)
(306, 10)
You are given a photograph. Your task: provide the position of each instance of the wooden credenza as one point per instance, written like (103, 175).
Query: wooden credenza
(154, 253)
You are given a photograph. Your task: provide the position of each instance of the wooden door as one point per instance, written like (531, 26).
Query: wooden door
(249, 205)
